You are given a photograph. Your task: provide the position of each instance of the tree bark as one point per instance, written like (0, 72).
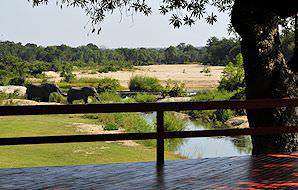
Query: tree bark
(267, 74)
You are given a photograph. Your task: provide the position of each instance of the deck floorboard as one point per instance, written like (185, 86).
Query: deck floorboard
(277, 171)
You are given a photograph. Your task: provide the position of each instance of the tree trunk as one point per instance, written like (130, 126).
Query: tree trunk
(267, 74)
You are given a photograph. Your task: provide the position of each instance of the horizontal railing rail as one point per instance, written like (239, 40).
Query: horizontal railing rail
(144, 136)
(160, 108)
(146, 107)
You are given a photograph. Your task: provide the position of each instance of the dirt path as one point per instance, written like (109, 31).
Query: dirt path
(98, 129)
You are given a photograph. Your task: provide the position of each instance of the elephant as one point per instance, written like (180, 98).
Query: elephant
(42, 92)
(79, 93)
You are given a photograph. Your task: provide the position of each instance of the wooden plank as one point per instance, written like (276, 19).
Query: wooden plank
(146, 107)
(160, 158)
(244, 172)
(231, 132)
(76, 138)
(145, 136)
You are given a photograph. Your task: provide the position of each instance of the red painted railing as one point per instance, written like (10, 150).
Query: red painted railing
(160, 108)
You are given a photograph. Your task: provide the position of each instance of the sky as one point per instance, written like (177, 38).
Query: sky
(49, 25)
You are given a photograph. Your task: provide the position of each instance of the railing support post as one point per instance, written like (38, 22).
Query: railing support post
(160, 139)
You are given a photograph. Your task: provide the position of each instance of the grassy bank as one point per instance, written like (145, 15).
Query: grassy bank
(63, 154)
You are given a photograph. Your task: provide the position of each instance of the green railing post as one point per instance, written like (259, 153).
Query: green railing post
(160, 139)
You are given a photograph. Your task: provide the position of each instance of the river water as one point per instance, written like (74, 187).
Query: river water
(210, 146)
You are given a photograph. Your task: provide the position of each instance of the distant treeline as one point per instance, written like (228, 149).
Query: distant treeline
(18, 61)
(216, 52)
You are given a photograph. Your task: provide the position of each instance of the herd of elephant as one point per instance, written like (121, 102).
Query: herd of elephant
(42, 92)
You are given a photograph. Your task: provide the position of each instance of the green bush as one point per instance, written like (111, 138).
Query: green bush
(145, 84)
(173, 122)
(109, 97)
(20, 81)
(217, 117)
(67, 73)
(174, 89)
(239, 94)
(114, 66)
(233, 75)
(212, 95)
(110, 127)
(14, 95)
(107, 85)
(128, 100)
(58, 98)
(143, 97)
(224, 115)
(205, 70)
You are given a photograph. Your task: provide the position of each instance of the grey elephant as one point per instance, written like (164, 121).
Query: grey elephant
(42, 92)
(81, 93)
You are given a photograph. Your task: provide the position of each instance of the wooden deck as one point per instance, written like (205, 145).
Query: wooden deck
(276, 171)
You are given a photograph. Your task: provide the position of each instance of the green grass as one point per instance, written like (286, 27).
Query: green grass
(63, 154)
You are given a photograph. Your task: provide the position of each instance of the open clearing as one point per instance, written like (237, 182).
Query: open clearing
(190, 74)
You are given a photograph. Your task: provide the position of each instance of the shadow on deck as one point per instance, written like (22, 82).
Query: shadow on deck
(278, 171)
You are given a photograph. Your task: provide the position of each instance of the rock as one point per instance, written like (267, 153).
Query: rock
(238, 122)
(12, 89)
(175, 99)
(24, 102)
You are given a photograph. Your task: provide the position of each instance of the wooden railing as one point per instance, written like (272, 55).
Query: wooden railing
(160, 108)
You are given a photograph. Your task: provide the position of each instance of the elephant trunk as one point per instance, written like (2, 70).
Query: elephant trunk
(60, 92)
(97, 97)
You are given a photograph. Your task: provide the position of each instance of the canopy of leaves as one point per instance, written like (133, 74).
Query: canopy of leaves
(183, 12)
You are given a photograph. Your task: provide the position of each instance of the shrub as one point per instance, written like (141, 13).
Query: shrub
(205, 70)
(145, 84)
(214, 116)
(224, 115)
(114, 66)
(110, 127)
(14, 95)
(233, 75)
(143, 97)
(212, 95)
(109, 97)
(107, 85)
(172, 122)
(128, 100)
(55, 97)
(174, 89)
(17, 81)
(67, 73)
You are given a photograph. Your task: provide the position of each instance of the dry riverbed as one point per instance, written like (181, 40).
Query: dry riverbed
(190, 74)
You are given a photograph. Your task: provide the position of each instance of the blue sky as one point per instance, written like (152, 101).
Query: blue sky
(49, 25)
